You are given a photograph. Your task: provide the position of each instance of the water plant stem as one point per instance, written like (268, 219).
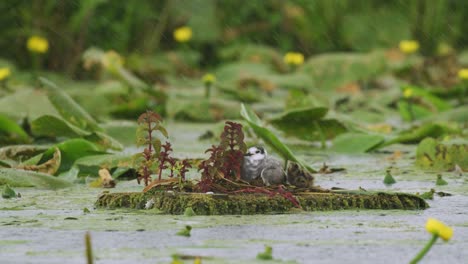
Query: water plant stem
(410, 109)
(423, 252)
(322, 136)
(89, 249)
(207, 90)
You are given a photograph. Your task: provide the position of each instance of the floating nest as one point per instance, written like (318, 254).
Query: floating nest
(174, 202)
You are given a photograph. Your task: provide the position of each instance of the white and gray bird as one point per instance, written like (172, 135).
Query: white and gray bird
(257, 163)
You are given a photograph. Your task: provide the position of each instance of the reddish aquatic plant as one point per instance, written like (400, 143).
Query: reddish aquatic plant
(232, 142)
(210, 168)
(164, 157)
(184, 165)
(148, 122)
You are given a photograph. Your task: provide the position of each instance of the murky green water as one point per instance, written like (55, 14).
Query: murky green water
(49, 226)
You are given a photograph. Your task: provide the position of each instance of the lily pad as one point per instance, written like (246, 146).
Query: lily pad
(307, 123)
(71, 150)
(11, 133)
(269, 138)
(417, 134)
(68, 108)
(54, 126)
(22, 178)
(434, 155)
(356, 142)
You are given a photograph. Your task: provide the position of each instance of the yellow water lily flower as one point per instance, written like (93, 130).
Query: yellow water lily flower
(294, 58)
(112, 60)
(409, 46)
(183, 34)
(209, 78)
(37, 44)
(438, 228)
(407, 93)
(4, 73)
(463, 74)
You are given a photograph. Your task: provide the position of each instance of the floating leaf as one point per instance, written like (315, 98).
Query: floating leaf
(71, 150)
(49, 167)
(438, 156)
(11, 133)
(268, 137)
(90, 165)
(356, 142)
(70, 110)
(22, 178)
(54, 126)
(415, 135)
(307, 123)
(333, 70)
(27, 103)
(104, 141)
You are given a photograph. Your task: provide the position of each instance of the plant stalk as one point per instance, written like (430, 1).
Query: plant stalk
(426, 249)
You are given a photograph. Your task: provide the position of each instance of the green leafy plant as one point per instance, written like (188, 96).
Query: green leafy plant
(149, 122)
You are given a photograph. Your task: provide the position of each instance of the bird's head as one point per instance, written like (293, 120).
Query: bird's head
(256, 153)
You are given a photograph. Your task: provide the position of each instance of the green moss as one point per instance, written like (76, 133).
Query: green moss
(247, 204)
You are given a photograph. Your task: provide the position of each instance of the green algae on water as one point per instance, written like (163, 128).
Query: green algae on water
(8, 192)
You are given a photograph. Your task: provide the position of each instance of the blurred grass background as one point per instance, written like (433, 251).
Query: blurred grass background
(145, 27)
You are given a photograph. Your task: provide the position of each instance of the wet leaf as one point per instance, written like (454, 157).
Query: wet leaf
(356, 142)
(268, 137)
(68, 108)
(22, 178)
(49, 167)
(333, 70)
(104, 141)
(434, 155)
(27, 103)
(415, 135)
(53, 126)
(90, 165)
(71, 150)
(307, 124)
(11, 132)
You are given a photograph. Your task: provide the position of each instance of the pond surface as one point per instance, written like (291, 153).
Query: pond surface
(49, 226)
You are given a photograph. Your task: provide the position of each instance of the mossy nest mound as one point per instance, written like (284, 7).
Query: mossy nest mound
(245, 204)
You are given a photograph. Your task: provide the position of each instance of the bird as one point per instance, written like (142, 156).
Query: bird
(299, 177)
(257, 164)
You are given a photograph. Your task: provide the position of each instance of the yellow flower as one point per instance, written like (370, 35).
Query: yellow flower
(37, 44)
(294, 58)
(409, 46)
(438, 228)
(112, 60)
(183, 34)
(4, 73)
(463, 74)
(209, 78)
(407, 93)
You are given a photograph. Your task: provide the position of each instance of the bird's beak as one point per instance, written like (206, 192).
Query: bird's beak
(247, 154)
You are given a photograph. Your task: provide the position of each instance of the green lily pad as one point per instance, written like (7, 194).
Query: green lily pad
(434, 155)
(331, 71)
(415, 135)
(90, 165)
(424, 104)
(68, 108)
(71, 150)
(54, 126)
(356, 142)
(269, 138)
(22, 178)
(11, 133)
(27, 103)
(307, 123)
